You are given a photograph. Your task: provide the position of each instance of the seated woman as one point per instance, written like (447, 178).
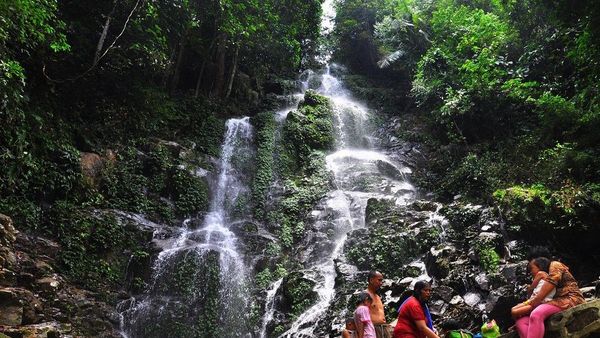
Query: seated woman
(414, 320)
(567, 295)
(538, 268)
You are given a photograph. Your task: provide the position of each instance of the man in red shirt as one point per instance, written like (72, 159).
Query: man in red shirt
(413, 322)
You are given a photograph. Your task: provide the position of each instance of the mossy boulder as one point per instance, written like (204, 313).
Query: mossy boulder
(297, 294)
(395, 236)
(309, 128)
(565, 217)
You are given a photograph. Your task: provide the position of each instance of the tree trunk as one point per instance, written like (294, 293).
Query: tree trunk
(233, 70)
(203, 67)
(181, 52)
(100, 44)
(219, 79)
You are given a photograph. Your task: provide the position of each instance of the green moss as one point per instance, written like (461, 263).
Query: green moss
(564, 216)
(156, 168)
(190, 193)
(489, 260)
(298, 293)
(263, 177)
(309, 128)
(302, 192)
(142, 183)
(93, 244)
(388, 250)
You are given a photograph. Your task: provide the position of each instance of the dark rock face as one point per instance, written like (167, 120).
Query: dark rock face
(297, 293)
(7, 238)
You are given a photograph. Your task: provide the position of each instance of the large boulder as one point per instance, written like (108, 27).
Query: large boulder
(582, 321)
(579, 321)
(91, 167)
(11, 310)
(42, 330)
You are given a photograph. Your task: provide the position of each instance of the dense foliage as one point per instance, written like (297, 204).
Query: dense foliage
(509, 90)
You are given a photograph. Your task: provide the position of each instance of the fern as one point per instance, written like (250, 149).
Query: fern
(390, 59)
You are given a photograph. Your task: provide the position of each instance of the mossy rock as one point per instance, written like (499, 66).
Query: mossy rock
(565, 217)
(377, 208)
(298, 293)
(309, 128)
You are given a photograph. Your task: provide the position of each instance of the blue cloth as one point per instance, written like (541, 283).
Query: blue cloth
(428, 316)
(428, 320)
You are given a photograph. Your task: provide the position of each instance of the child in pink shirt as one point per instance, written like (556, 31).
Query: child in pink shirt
(362, 317)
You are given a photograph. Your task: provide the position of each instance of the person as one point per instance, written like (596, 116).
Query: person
(567, 295)
(414, 320)
(362, 317)
(375, 280)
(350, 330)
(538, 268)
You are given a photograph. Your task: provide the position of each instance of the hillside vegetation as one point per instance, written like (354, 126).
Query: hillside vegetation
(508, 91)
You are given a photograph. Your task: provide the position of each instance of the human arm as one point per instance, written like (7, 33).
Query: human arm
(360, 329)
(544, 291)
(422, 326)
(551, 282)
(536, 280)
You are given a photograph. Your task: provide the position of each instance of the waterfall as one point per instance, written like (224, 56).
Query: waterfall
(269, 307)
(360, 172)
(199, 279)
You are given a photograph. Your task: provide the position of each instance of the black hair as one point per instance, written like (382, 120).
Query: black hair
(404, 296)
(419, 286)
(362, 297)
(372, 274)
(416, 292)
(542, 263)
(349, 320)
(539, 251)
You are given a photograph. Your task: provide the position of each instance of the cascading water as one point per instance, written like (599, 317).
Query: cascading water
(360, 172)
(199, 280)
(269, 307)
